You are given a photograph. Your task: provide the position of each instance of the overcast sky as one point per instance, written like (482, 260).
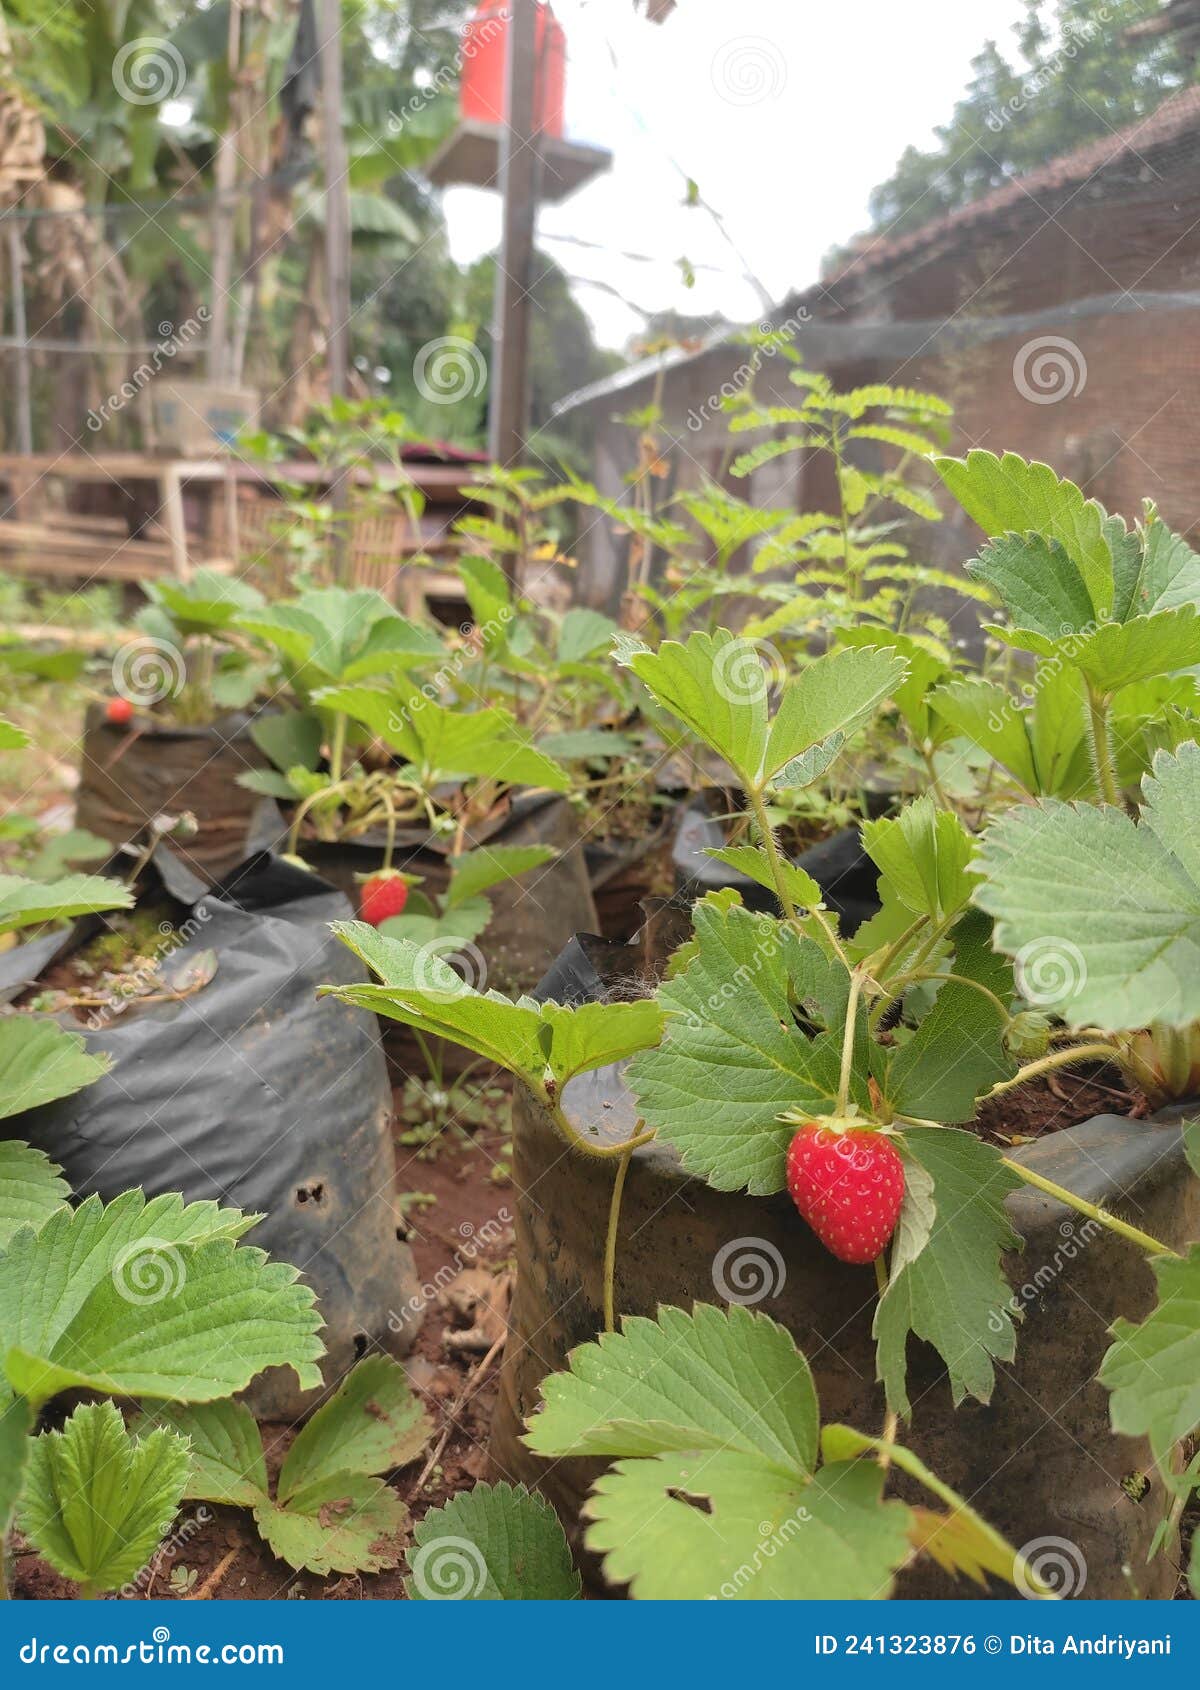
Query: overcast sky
(785, 112)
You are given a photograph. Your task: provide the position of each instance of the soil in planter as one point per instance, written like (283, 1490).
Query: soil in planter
(1053, 1103)
(466, 1198)
(127, 777)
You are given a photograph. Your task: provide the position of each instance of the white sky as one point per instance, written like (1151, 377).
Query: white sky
(785, 112)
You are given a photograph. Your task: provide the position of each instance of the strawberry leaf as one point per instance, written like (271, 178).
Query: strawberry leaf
(1119, 902)
(531, 1040)
(495, 1543)
(97, 1501)
(476, 871)
(1153, 1369)
(25, 903)
(924, 855)
(31, 1188)
(443, 744)
(953, 1293)
(713, 1416)
(226, 1453)
(41, 1061)
(732, 1035)
(149, 1299)
(344, 1523)
(372, 1423)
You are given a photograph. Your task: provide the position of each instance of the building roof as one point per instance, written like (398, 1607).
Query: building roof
(1174, 119)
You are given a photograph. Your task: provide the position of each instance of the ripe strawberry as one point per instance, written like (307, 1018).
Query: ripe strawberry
(118, 711)
(848, 1186)
(383, 895)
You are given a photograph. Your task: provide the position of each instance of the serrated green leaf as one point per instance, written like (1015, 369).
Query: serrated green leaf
(97, 1501)
(953, 1294)
(24, 903)
(346, 1523)
(716, 686)
(476, 871)
(733, 1058)
(830, 698)
(288, 738)
(1114, 906)
(529, 1039)
(960, 1541)
(1153, 1369)
(149, 1299)
(1157, 572)
(1122, 653)
(719, 1524)
(443, 743)
(41, 1061)
(494, 1543)
(925, 855)
(753, 862)
(12, 738)
(957, 1052)
(448, 934)
(16, 1423)
(226, 1462)
(372, 1423)
(1039, 586)
(583, 634)
(1008, 494)
(715, 1379)
(31, 1188)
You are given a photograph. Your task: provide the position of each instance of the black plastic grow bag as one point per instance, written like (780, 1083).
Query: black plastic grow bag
(253, 1092)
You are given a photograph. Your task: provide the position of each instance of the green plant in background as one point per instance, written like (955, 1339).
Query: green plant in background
(197, 651)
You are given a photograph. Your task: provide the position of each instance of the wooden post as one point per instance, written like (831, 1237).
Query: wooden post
(224, 216)
(520, 163)
(337, 251)
(16, 265)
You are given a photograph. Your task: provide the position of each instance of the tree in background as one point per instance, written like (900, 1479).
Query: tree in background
(1083, 69)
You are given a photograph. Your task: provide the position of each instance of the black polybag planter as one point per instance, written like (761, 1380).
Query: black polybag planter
(130, 774)
(1039, 1461)
(839, 865)
(253, 1092)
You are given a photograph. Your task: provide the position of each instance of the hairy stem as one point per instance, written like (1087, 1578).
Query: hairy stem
(774, 856)
(1143, 1240)
(610, 1241)
(1102, 757)
(891, 1420)
(1057, 1059)
(337, 754)
(843, 1096)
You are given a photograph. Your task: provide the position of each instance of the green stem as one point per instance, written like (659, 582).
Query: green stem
(1057, 1059)
(1102, 747)
(851, 1027)
(903, 980)
(1144, 1241)
(389, 844)
(935, 784)
(774, 856)
(577, 1141)
(337, 754)
(610, 1241)
(305, 806)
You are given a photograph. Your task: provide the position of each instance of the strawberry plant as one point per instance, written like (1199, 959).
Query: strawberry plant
(194, 624)
(723, 1485)
(329, 1513)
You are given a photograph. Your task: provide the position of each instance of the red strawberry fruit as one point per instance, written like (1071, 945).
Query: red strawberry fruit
(118, 711)
(383, 895)
(848, 1186)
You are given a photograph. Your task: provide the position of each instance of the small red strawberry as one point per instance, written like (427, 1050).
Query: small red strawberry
(118, 711)
(383, 895)
(848, 1186)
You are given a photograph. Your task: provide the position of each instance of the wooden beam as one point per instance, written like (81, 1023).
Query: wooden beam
(519, 179)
